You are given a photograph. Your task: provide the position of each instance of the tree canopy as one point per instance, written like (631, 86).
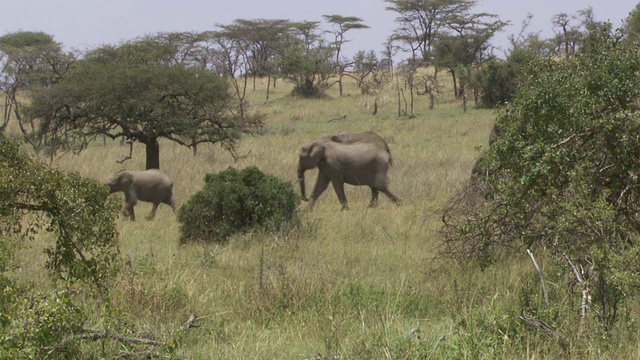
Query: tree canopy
(632, 23)
(31, 60)
(140, 92)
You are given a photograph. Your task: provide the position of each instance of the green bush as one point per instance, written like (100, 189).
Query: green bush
(78, 218)
(563, 177)
(498, 79)
(235, 201)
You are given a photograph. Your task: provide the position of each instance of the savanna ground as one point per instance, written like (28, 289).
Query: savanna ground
(358, 284)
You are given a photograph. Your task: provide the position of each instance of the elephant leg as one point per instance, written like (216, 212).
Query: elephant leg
(374, 197)
(171, 203)
(152, 214)
(130, 200)
(132, 214)
(321, 185)
(338, 186)
(396, 200)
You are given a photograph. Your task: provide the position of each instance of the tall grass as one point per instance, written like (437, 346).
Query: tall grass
(362, 284)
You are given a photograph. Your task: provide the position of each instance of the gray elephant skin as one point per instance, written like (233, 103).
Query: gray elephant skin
(362, 137)
(360, 164)
(151, 186)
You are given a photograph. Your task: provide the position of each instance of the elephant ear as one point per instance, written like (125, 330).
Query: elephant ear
(317, 152)
(306, 150)
(126, 178)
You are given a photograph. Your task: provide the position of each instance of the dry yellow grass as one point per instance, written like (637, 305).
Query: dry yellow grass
(342, 290)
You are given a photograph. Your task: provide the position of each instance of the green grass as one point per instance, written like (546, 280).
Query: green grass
(353, 283)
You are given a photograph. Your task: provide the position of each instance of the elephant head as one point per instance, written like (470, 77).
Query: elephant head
(120, 182)
(310, 157)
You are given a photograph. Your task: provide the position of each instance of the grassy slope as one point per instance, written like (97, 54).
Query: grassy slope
(355, 287)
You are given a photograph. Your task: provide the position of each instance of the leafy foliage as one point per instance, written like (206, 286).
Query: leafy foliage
(564, 173)
(305, 61)
(40, 326)
(80, 217)
(234, 201)
(632, 23)
(496, 81)
(77, 211)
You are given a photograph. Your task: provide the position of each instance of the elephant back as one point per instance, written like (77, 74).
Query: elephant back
(367, 137)
(152, 185)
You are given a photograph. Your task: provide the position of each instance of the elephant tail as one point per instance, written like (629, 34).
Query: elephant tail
(169, 200)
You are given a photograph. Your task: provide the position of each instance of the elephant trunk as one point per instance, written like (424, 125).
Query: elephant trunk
(303, 191)
(111, 187)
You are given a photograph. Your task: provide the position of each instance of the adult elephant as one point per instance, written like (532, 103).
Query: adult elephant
(362, 137)
(151, 186)
(356, 164)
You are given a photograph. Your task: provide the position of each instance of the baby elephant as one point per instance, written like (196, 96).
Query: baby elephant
(150, 186)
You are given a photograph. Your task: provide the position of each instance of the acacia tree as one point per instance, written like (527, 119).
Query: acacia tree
(137, 91)
(30, 60)
(572, 31)
(255, 42)
(466, 45)
(364, 63)
(421, 21)
(306, 60)
(632, 23)
(342, 24)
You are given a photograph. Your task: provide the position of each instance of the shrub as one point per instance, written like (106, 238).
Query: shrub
(563, 177)
(498, 79)
(77, 211)
(78, 217)
(235, 201)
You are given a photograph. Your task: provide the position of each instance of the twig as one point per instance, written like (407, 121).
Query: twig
(92, 334)
(575, 271)
(131, 285)
(338, 118)
(447, 336)
(544, 289)
(584, 304)
(130, 153)
(191, 322)
(546, 328)
(237, 158)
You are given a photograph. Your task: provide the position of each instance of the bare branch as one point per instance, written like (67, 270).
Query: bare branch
(544, 288)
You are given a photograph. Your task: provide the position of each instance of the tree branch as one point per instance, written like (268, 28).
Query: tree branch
(92, 334)
(130, 153)
(544, 289)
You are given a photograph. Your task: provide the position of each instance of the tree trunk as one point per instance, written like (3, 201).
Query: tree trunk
(153, 154)
(268, 86)
(456, 92)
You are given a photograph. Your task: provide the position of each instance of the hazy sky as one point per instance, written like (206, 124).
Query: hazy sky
(83, 24)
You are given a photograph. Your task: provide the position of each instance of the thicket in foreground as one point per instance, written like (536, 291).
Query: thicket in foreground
(563, 182)
(79, 218)
(235, 201)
